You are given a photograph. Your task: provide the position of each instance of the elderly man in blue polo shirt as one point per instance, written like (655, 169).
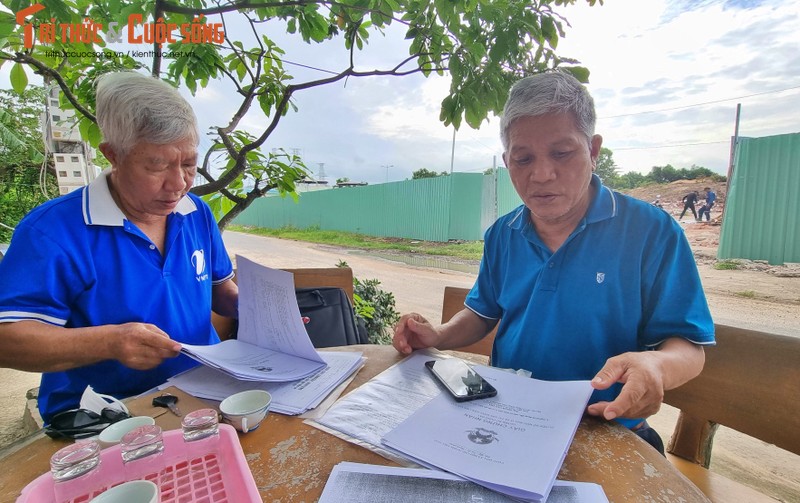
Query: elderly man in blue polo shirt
(100, 287)
(585, 283)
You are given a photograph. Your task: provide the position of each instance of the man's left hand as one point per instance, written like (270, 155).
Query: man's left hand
(643, 388)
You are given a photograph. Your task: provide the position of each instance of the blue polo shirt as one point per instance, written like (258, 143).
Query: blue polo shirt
(76, 261)
(624, 280)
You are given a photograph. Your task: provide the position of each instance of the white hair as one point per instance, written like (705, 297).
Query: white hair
(131, 107)
(545, 93)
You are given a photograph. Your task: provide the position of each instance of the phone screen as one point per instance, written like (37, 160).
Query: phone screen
(461, 381)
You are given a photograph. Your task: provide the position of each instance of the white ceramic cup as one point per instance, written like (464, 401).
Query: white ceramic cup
(245, 411)
(135, 491)
(113, 433)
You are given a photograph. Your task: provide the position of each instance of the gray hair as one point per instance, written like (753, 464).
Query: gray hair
(545, 93)
(132, 107)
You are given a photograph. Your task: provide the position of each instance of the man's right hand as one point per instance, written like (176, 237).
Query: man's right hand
(142, 346)
(412, 332)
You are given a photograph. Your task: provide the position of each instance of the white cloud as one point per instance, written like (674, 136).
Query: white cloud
(655, 55)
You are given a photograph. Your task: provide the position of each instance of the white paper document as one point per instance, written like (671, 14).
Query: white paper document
(361, 483)
(290, 398)
(513, 443)
(272, 343)
(369, 412)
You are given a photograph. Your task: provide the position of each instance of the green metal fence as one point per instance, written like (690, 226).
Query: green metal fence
(762, 213)
(455, 207)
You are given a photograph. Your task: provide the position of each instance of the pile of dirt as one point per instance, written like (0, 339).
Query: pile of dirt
(671, 194)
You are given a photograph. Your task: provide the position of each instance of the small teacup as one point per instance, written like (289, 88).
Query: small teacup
(113, 433)
(135, 491)
(245, 411)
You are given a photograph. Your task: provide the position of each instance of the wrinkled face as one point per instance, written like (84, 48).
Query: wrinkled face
(550, 163)
(151, 179)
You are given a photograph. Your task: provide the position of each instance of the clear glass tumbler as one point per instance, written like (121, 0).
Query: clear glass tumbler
(76, 471)
(143, 454)
(201, 437)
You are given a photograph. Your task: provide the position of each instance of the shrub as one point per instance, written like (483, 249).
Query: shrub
(376, 307)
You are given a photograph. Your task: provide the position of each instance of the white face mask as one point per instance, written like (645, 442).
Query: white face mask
(91, 400)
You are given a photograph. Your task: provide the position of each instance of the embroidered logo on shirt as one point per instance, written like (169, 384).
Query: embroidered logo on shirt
(199, 263)
(601, 276)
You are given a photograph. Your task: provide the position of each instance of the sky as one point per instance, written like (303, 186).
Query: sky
(666, 76)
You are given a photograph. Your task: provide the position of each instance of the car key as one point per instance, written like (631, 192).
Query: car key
(168, 401)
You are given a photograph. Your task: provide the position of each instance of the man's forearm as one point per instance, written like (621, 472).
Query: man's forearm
(38, 347)
(463, 329)
(681, 361)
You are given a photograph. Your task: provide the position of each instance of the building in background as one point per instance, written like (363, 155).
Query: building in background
(72, 157)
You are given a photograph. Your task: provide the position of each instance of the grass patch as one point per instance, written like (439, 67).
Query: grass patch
(748, 294)
(726, 265)
(468, 250)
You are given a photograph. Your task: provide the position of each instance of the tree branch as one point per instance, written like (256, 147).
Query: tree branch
(21, 57)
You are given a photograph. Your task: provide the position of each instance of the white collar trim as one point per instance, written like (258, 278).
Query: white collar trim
(99, 207)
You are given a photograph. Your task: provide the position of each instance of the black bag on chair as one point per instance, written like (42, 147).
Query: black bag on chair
(329, 317)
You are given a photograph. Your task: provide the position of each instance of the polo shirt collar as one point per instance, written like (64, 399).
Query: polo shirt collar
(602, 206)
(604, 203)
(99, 207)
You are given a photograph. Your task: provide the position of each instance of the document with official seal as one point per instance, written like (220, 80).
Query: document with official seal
(513, 443)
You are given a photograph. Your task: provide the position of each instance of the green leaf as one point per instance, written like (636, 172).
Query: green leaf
(579, 72)
(19, 80)
(94, 134)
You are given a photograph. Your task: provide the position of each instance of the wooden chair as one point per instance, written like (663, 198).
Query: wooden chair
(452, 303)
(341, 277)
(750, 383)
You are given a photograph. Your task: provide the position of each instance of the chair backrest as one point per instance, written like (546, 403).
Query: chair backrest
(341, 277)
(452, 303)
(750, 383)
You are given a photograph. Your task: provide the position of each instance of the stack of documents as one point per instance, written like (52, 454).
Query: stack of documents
(360, 483)
(290, 398)
(272, 343)
(513, 443)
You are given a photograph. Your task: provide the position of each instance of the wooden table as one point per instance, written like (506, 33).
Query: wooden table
(291, 460)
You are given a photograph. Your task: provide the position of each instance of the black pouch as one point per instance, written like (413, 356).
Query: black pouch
(329, 317)
(82, 423)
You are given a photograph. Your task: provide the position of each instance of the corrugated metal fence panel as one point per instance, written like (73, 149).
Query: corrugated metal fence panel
(762, 213)
(507, 197)
(488, 201)
(465, 207)
(415, 209)
(431, 209)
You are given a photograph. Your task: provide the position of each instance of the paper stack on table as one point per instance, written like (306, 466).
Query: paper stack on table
(513, 443)
(361, 483)
(290, 398)
(272, 343)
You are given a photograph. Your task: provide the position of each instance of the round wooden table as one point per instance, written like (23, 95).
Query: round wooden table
(291, 460)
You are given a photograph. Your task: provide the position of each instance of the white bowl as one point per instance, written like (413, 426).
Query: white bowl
(135, 491)
(114, 432)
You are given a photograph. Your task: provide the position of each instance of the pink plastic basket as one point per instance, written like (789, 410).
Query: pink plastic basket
(221, 477)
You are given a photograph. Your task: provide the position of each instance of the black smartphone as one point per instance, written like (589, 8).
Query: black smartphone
(461, 381)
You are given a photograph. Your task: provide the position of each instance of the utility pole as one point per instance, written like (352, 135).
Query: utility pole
(453, 151)
(387, 166)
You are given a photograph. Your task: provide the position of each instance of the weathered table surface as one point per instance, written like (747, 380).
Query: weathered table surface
(291, 460)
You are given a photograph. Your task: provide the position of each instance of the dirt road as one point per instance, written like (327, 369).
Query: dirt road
(748, 298)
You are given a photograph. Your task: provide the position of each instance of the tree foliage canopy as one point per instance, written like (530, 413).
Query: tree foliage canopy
(426, 173)
(25, 180)
(484, 46)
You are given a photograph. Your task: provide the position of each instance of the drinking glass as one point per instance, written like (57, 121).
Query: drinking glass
(76, 471)
(143, 453)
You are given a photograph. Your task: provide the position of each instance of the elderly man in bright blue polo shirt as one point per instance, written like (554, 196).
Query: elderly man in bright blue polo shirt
(99, 287)
(586, 283)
